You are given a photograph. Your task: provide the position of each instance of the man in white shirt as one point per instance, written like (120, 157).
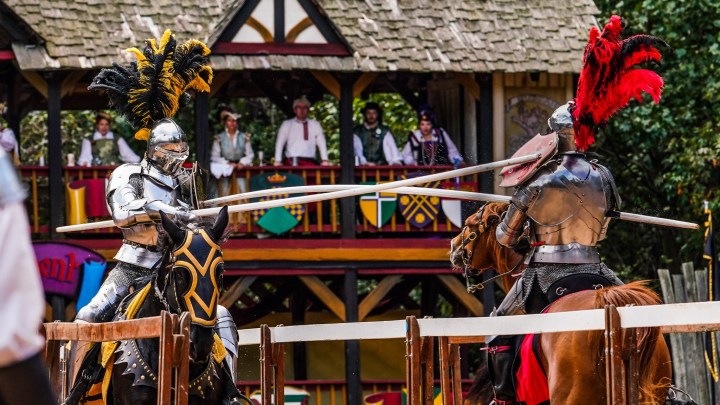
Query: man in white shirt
(298, 137)
(23, 377)
(372, 141)
(102, 149)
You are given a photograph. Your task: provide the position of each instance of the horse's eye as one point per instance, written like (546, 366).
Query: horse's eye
(182, 280)
(219, 270)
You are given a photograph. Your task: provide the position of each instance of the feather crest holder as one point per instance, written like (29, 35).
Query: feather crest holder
(609, 79)
(153, 87)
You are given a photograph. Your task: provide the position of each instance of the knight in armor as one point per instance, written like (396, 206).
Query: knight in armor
(430, 145)
(560, 208)
(102, 148)
(137, 192)
(373, 142)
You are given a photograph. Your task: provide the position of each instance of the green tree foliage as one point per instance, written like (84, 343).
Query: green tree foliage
(664, 157)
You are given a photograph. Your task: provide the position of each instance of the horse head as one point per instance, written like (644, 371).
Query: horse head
(191, 276)
(476, 247)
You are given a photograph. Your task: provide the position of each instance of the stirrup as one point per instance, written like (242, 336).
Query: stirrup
(501, 402)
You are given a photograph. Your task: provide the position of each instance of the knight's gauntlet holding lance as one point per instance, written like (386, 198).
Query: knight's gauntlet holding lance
(128, 210)
(512, 226)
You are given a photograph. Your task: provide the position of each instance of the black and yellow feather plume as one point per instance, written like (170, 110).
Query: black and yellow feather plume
(153, 87)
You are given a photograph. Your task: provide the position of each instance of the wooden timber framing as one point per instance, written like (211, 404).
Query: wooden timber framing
(459, 291)
(363, 82)
(329, 82)
(173, 361)
(377, 294)
(325, 294)
(236, 290)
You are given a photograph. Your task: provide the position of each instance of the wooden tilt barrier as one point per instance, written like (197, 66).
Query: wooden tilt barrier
(420, 334)
(174, 356)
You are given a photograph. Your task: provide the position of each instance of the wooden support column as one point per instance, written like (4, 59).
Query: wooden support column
(484, 116)
(14, 90)
(55, 161)
(352, 347)
(347, 156)
(297, 308)
(202, 129)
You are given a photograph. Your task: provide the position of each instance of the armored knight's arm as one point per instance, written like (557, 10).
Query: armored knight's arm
(511, 228)
(128, 205)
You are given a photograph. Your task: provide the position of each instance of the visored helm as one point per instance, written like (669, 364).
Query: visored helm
(561, 119)
(167, 146)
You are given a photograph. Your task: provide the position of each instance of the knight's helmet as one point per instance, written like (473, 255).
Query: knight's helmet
(149, 93)
(167, 146)
(561, 122)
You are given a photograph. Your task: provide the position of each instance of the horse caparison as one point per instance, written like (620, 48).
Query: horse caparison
(574, 362)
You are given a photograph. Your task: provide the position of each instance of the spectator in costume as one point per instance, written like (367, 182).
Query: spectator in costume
(231, 150)
(372, 141)
(23, 376)
(430, 145)
(103, 149)
(298, 137)
(8, 142)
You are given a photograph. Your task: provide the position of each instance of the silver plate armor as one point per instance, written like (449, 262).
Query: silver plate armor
(135, 194)
(566, 202)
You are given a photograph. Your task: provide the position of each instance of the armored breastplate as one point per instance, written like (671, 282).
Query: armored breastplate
(569, 213)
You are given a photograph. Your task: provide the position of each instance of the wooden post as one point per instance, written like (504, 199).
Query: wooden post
(412, 355)
(445, 374)
(455, 368)
(181, 341)
(202, 129)
(266, 380)
(347, 157)
(278, 355)
(484, 116)
(614, 367)
(352, 347)
(632, 380)
(428, 372)
(55, 164)
(165, 358)
(297, 309)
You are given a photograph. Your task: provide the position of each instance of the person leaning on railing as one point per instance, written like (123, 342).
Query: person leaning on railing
(231, 150)
(430, 145)
(298, 137)
(23, 377)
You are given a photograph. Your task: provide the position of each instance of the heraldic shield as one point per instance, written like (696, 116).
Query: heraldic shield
(378, 208)
(419, 210)
(452, 208)
(279, 219)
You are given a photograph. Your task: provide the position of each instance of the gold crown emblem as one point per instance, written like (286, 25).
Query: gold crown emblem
(276, 178)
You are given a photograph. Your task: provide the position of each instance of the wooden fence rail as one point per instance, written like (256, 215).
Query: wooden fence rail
(174, 334)
(420, 334)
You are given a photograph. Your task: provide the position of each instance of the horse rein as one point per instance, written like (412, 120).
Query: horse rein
(472, 240)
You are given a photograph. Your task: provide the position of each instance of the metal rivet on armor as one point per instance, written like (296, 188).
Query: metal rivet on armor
(142, 377)
(134, 365)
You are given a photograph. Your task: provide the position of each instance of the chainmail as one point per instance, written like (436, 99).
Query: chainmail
(124, 274)
(546, 275)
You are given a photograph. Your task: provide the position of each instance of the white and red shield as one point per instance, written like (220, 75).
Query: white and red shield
(545, 145)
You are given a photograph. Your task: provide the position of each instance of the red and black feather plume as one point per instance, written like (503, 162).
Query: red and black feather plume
(609, 79)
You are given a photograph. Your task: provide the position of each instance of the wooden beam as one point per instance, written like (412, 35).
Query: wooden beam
(220, 80)
(457, 289)
(469, 83)
(36, 81)
(377, 294)
(331, 84)
(236, 290)
(363, 82)
(68, 84)
(334, 304)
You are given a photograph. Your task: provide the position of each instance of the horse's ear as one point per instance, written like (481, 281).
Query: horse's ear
(173, 230)
(220, 223)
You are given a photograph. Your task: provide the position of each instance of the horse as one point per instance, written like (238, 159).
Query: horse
(187, 280)
(573, 362)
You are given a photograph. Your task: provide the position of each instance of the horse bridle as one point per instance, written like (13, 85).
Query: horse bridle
(472, 240)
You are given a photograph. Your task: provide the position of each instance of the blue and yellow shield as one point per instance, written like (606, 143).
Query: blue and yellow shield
(419, 210)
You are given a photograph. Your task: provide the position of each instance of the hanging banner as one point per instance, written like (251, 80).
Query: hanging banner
(60, 266)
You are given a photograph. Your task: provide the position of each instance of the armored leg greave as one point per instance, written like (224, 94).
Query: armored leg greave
(116, 287)
(226, 329)
(501, 365)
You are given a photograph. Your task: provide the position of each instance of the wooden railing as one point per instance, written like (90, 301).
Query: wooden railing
(320, 218)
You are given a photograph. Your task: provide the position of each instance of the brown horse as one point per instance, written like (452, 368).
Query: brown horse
(573, 361)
